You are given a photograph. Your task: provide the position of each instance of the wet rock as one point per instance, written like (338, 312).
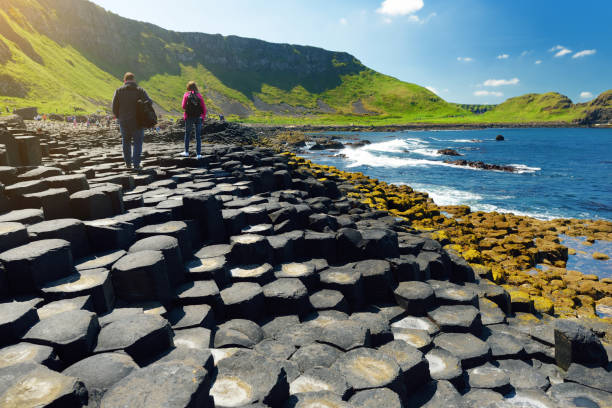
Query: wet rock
(448, 152)
(33, 385)
(140, 335)
(72, 334)
(100, 372)
(171, 384)
(482, 165)
(30, 266)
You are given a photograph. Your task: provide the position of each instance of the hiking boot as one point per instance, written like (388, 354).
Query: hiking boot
(199, 156)
(185, 154)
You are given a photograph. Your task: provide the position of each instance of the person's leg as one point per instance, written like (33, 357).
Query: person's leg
(126, 141)
(138, 139)
(198, 129)
(188, 127)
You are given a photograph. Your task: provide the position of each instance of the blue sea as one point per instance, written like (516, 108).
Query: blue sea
(562, 173)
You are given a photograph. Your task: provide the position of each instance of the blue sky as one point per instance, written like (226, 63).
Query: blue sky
(468, 51)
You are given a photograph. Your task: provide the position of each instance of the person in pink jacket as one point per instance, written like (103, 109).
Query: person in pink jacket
(195, 114)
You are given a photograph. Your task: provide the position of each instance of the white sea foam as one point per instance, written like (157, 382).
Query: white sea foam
(391, 146)
(545, 216)
(522, 168)
(443, 195)
(426, 152)
(466, 141)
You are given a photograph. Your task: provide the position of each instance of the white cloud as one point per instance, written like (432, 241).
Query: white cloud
(524, 53)
(400, 7)
(584, 53)
(538, 62)
(432, 89)
(560, 50)
(416, 19)
(500, 82)
(464, 59)
(387, 20)
(488, 93)
(343, 21)
(586, 95)
(503, 56)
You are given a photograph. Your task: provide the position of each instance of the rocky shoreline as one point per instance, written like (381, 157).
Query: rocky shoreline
(255, 279)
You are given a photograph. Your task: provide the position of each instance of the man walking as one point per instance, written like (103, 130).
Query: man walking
(125, 110)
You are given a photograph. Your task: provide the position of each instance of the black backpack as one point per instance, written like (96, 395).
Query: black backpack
(193, 107)
(147, 118)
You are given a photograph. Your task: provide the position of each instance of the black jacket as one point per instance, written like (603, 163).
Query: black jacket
(124, 102)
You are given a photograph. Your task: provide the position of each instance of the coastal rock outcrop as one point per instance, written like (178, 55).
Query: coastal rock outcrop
(448, 152)
(481, 165)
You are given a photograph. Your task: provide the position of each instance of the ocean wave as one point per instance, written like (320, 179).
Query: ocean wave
(545, 216)
(443, 195)
(523, 168)
(363, 157)
(426, 152)
(391, 146)
(466, 141)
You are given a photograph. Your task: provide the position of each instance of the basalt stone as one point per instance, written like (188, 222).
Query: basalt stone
(55, 202)
(243, 300)
(115, 193)
(93, 282)
(410, 244)
(34, 385)
(523, 376)
(432, 264)
(100, 372)
(171, 384)
(72, 334)
(316, 399)
(413, 364)
(304, 271)
(249, 249)
(30, 266)
(16, 318)
(415, 297)
(109, 234)
(530, 398)
(419, 339)
(91, 205)
(436, 394)
(12, 234)
(468, 348)
(376, 398)
(286, 296)
(17, 190)
(378, 243)
(504, 346)
(176, 229)
(196, 338)
(299, 335)
(445, 366)
(213, 251)
(234, 220)
(575, 395)
(595, 377)
(147, 216)
(315, 355)
(27, 216)
(345, 334)
(142, 276)
(69, 229)
(457, 319)
(327, 299)
(320, 245)
(416, 323)
(191, 316)
(456, 295)
(23, 353)
(206, 209)
(71, 182)
(169, 247)
(575, 344)
(275, 349)
(405, 268)
(248, 377)
(489, 377)
(276, 325)
(260, 274)
(209, 269)
(347, 244)
(347, 281)
(140, 335)
(100, 260)
(238, 333)
(479, 397)
(490, 313)
(377, 324)
(365, 368)
(320, 379)
(377, 278)
(201, 292)
(260, 229)
(65, 305)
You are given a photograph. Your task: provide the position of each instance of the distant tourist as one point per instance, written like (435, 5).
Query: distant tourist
(221, 117)
(125, 109)
(195, 113)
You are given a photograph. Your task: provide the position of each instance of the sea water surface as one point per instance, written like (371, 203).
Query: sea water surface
(562, 172)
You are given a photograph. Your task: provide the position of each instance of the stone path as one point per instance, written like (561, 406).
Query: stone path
(238, 281)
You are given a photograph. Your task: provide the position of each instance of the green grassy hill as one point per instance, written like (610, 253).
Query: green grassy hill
(68, 56)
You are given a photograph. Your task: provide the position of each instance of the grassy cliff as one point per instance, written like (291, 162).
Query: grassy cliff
(68, 56)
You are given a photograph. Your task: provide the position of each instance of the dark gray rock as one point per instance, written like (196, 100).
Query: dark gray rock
(109, 234)
(365, 368)
(576, 344)
(345, 334)
(22, 353)
(187, 317)
(255, 273)
(169, 247)
(12, 234)
(16, 318)
(571, 394)
(312, 399)
(91, 205)
(275, 349)
(466, 347)
(415, 297)
(596, 377)
(457, 319)
(238, 333)
(176, 229)
(286, 296)
(524, 376)
(197, 338)
(347, 281)
(411, 361)
(327, 299)
(250, 249)
(26, 216)
(173, 384)
(376, 398)
(100, 260)
(142, 276)
(315, 355)
(92, 282)
(489, 377)
(72, 334)
(436, 394)
(320, 379)
(243, 300)
(68, 229)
